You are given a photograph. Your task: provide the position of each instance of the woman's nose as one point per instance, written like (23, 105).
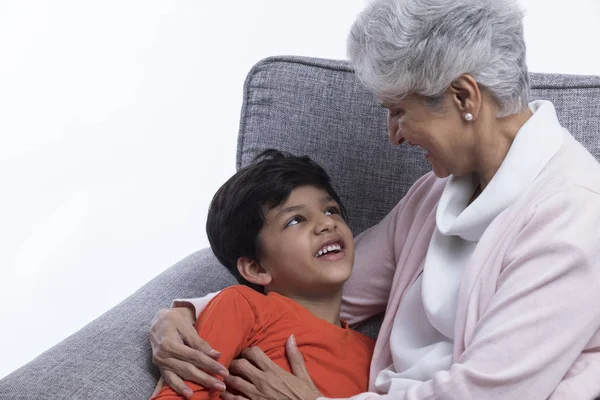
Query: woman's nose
(392, 124)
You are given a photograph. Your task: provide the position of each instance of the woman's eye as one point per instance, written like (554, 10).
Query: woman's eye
(396, 113)
(294, 221)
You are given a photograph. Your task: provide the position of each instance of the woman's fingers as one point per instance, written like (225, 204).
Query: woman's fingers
(295, 359)
(197, 358)
(190, 337)
(242, 378)
(181, 354)
(228, 396)
(188, 372)
(171, 353)
(242, 386)
(258, 357)
(171, 335)
(159, 386)
(244, 369)
(257, 378)
(177, 384)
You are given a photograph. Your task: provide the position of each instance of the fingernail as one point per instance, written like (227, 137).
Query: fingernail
(188, 393)
(223, 372)
(293, 340)
(215, 354)
(219, 386)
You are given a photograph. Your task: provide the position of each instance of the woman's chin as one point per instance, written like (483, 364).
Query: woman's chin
(440, 172)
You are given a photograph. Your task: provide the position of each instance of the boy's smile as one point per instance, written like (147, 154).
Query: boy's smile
(331, 250)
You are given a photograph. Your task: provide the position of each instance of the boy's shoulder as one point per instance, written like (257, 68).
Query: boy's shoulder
(241, 293)
(269, 307)
(265, 309)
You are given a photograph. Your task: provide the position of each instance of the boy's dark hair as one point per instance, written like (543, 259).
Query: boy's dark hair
(237, 211)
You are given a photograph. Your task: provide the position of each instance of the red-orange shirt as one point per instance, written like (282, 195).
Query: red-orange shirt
(239, 317)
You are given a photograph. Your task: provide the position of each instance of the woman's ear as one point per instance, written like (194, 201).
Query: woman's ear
(466, 95)
(253, 272)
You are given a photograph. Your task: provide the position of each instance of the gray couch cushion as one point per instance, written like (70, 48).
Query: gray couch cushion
(305, 106)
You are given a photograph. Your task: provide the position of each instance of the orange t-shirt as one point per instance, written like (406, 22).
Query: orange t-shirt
(239, 317)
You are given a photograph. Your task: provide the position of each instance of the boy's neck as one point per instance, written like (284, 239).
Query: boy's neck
(326, 307)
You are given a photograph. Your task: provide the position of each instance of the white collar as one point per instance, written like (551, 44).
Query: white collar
(535, 144)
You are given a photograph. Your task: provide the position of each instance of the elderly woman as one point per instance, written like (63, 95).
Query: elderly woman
(488, 268)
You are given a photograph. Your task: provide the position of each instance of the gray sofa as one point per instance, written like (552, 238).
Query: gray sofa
(305, 106)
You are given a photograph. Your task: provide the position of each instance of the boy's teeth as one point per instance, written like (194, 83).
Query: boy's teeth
(327, 249)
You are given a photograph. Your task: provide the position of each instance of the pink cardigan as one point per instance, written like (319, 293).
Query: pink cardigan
(528, 317)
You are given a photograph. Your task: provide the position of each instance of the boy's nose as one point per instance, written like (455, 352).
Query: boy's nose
(325, 223)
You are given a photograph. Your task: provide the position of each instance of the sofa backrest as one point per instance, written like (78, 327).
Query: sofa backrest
(318, 107)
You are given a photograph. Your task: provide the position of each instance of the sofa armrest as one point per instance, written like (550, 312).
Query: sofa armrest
(110, 358)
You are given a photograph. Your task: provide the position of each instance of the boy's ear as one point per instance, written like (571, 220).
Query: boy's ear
(253, 272)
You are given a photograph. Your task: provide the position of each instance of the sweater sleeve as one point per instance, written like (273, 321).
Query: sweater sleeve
(541, 317)
(197, 304)
(377, 251)
(227, 323)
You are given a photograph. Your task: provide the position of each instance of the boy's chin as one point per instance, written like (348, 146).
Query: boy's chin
(327, 286)
(338, 280)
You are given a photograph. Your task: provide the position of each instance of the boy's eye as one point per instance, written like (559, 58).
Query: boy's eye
(294, 221)
(332, 210)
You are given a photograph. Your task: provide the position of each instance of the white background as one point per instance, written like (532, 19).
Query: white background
(118, 121)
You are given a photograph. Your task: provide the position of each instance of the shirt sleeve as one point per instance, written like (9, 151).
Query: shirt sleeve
(227, 323)
(543, 314)
(377, 250)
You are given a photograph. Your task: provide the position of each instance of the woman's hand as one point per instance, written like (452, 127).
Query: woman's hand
(256, 377)
(181, 354)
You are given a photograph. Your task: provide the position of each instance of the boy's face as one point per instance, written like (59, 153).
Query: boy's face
(306, 246)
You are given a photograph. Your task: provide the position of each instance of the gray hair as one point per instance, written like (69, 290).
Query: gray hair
(399, 47)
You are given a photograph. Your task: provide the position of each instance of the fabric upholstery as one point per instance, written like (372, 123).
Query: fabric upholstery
(305, 106)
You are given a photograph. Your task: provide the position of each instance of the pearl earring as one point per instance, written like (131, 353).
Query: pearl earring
(469, 117)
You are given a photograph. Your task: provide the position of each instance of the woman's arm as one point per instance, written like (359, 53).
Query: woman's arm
(378, 250)
(227, 322)
(177, 349)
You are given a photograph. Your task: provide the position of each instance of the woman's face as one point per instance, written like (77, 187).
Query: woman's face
(441, 133)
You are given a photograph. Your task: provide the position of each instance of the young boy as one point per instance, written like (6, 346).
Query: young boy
(279, 227)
